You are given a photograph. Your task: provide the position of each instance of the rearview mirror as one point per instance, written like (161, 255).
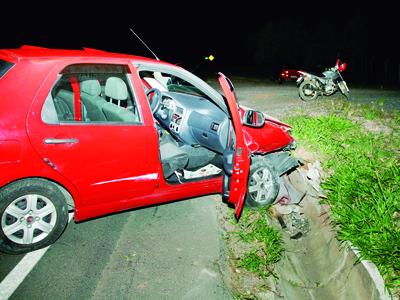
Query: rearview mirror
(253, 118)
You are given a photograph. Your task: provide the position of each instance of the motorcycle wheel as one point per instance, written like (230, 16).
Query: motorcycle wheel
(347, 95)
(308, 91)
(344, 90)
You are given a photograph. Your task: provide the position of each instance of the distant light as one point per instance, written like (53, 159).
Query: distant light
(210, 57)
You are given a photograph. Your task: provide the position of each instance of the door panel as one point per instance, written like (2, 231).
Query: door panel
(241, 158)
(105, 161)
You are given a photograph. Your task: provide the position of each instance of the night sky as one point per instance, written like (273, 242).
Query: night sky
(245, 38)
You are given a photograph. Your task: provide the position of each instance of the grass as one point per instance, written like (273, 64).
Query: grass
(267, 246)
(364, 185)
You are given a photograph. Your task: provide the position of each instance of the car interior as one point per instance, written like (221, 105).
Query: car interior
(104, 99)
(193, 131)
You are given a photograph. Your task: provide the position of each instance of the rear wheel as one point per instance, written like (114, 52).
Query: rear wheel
(263, 186)
(308, 90)
(33, 214)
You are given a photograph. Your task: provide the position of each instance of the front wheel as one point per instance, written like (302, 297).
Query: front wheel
(308, 91)
(344, 90)
(33, 214)
(263, 186)
(347, 95)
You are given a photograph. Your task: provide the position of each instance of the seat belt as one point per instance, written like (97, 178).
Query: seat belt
(77, 98)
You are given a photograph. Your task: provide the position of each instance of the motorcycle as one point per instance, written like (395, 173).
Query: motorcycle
(311, 86)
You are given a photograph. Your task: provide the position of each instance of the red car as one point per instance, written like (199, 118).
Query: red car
(96, 133)
(289, 75)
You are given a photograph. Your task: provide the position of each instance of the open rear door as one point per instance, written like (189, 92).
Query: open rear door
(237, 155)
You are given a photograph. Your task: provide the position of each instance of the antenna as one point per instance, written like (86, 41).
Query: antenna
(144, 44)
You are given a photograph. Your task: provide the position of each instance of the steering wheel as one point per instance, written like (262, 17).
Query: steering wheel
(155, 100)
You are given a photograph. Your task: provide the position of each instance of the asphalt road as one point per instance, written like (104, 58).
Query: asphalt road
(279, 100)
(172, 251)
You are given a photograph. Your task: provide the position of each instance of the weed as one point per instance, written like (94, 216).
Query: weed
(129, 257)
(363, 190)
(254, 228)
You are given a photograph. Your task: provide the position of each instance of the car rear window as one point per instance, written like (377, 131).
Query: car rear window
(4, 67)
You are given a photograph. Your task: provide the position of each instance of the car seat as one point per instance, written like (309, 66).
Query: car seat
(173, 158)
(116, 89)
(90, 96)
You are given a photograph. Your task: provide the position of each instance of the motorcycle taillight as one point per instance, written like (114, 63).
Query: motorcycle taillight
(342, 67)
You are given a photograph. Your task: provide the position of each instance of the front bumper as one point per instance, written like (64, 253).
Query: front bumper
(282, 161)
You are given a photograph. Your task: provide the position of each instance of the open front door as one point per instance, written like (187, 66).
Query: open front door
(237, 155)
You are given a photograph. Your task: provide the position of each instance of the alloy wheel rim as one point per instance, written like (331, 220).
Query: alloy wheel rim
(261, 185)
(29, 219)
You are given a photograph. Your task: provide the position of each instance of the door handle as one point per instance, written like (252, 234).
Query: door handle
(60, 141)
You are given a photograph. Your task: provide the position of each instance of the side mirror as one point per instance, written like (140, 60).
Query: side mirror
(253, 118)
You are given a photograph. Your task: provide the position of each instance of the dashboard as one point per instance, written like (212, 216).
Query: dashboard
(194, 120)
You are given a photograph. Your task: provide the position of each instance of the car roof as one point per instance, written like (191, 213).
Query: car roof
(28, 52)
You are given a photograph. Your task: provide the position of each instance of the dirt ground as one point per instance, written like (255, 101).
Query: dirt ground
(280, 100)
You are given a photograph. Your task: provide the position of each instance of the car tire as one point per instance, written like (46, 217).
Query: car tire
(263, 184)
(33, 215)
(304, 88)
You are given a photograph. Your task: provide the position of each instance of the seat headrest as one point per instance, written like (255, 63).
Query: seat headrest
(90, 87)
(116, 88)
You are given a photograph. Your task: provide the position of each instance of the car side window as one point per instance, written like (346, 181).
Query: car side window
(92, 93)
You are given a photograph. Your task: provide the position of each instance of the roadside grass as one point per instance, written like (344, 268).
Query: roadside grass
(266, 242)
(363, 187)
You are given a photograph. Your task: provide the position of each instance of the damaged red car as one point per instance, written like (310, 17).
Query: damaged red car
(94, 133)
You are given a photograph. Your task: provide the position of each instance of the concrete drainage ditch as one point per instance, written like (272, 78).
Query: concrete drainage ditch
(315, 264)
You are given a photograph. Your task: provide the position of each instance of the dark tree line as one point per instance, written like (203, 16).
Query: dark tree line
(366, 44)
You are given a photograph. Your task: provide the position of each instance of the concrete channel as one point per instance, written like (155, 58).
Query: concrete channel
(315, 264)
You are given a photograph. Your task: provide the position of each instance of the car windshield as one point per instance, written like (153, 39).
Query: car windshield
(4, 67)
(171, 83)
(176, 84)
